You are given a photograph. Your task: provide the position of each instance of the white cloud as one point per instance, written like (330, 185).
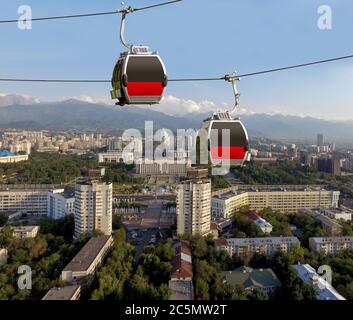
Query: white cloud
(175, 106)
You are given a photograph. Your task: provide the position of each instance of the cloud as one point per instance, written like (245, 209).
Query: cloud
(175, 106)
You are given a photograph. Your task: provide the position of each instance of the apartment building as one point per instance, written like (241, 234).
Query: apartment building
(85, 264)
(331, 245)
(332, 227)
(265, 226)
(243, 247)
(283, 199)
(66, 293)
(338, 213)
(93, 207)
(60, 204)
(225, 205)
(9, 157)
(24, 232)
(35, 200)
(324, 290)
(194, 207)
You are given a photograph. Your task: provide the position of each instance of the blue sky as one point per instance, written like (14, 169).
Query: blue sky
(195, 38)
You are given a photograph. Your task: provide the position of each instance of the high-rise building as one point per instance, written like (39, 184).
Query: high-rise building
(194, 207)
(329, 165)
(320, 139)
(93, 206)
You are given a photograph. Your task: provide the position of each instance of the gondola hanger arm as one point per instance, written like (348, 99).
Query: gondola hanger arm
(233, 78)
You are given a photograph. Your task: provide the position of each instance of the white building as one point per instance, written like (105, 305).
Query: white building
(116, 157)
(35, 200)
(161, 167)
(194, 207)
(30, 199)
(324, 290)
(265, 226)
(24, 232)
(242, 247)
(225, 204)
(60, 204)
(338, 214)
(13, 158)
(331, 245)
(93, 206)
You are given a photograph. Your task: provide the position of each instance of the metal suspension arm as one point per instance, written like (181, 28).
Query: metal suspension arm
(122, 28)
(233, 79)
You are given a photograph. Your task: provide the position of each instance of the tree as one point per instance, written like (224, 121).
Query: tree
(201, 289)
(257, 294)
(3, 219)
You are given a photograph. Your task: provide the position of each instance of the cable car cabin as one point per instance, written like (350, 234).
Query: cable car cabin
(139, 79)
(237, 151)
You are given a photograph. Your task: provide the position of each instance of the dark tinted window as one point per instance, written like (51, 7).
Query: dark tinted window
(145, 69)
(237, 133)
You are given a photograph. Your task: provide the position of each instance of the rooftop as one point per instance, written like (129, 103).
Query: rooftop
(6, 153)
(324, 290)
(324, 240)
(181, 289)
(251, 278)
(64, 293)
(24, 228)
(260, 241)
(86, 256)
(29, 187)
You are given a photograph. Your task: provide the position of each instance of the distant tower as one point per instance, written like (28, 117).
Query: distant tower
(320, 139)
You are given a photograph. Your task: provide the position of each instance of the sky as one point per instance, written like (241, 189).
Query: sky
(195, 38)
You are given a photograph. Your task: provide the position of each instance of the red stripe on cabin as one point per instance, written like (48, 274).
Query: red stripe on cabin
(232, 153)
(145, 89)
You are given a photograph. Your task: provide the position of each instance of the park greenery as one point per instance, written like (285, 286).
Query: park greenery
(281, 173)
(46, 168)
(209, 263)
(47, 255)
(121, 278)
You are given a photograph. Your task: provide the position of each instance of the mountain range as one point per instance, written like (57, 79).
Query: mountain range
(29, 113)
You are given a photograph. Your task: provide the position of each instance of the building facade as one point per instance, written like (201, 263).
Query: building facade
(30, 199)
(60, 205)
(331, 245)
(323, 289)
(36, 200)
(24, 232)
(93, 206)
(194, 207)
(161, 167)
(116, 157)
(85, 264)
(286, 200)
(247, 247)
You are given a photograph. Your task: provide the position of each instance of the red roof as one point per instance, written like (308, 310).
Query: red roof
(180, 267)
(252, 215)
(221, 242)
